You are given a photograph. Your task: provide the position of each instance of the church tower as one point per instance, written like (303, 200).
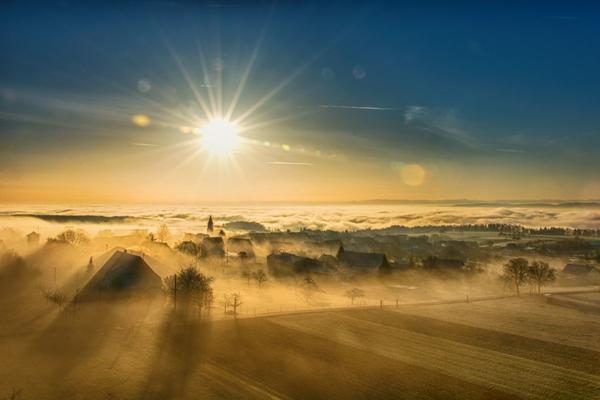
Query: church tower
(209, 228)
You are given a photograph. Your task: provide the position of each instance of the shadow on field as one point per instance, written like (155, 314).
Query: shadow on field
(180, 345)
(75, 335)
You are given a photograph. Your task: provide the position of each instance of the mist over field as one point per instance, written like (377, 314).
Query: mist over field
(160, 302)
(339, 217)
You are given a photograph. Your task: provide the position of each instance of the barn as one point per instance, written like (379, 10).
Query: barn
(123, 275)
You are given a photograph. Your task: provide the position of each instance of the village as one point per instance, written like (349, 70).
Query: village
(328, 268)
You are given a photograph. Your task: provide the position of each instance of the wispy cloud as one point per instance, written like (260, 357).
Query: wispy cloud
(287, 163)
(369, 108)
(144, 144)
(413, 112)
(445, 122)
(511, 150)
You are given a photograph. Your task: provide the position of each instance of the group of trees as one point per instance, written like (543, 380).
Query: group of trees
(259, 276)
(518, 271)
(354, 293)
(190, 287)
(232, 301)
(76, 237)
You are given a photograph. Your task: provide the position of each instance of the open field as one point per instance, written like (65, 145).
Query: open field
(507, 348)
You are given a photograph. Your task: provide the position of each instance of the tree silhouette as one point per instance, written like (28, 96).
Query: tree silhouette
(540, 274)
(516, 272)
(163, 234)
(354, 293)
(260, 277)
(190, 286)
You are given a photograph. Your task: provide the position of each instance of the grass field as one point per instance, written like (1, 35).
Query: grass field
(500, 349)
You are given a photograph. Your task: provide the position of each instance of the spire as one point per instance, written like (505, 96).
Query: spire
(209, 228)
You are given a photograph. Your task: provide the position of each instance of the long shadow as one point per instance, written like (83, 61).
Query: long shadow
(76, 334)
(179, 347)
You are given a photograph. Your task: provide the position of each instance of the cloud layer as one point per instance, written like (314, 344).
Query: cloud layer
(333, 217)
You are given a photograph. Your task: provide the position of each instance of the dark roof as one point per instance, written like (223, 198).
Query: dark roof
(366, 261)
(122, 273)
(331, 247)
(213, 240)
(213, 246)
(285, 263)
(578, 269)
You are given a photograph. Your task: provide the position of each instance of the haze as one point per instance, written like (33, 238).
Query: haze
(299, 200)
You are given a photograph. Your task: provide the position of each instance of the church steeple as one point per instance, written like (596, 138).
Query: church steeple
(209, 228)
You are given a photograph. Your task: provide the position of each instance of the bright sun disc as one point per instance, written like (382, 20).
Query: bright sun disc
(219, 137)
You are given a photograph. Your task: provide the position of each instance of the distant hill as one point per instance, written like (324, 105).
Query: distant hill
(249, 226)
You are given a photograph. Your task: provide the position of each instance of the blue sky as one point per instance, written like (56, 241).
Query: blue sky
(461, 87)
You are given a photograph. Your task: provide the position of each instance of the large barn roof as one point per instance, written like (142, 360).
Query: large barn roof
(122, 273)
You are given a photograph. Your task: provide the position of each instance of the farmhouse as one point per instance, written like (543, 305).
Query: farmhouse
(364, 262)
(213, 246)
(331, 247)
(240, 246)
(124, 274)
(436, 263)
(194, 237)
(285, 264)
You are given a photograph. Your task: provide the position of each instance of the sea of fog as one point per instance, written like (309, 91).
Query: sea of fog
(189, 218)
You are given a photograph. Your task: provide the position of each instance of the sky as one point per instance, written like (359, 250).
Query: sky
(347, 101)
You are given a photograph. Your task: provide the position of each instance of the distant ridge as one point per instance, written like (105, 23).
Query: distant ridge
(491, 203)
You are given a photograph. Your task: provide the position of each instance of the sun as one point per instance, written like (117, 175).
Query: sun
(219, 137)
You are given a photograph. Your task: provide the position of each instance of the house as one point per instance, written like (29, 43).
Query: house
(329, 247)
(364, 262)
(436, 263)
(194, 237)
(122, 275)
(286, 264)
(241, 246)
(33, 238)
(213, 246)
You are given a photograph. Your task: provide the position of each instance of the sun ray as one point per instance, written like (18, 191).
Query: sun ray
(248, 69)
(190, 82)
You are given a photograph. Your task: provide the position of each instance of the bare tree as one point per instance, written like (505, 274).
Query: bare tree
(540, 274)
(353, 294)
(516, 272)
(75, 237)
(233, 301)
(260, 277)
(236, 302)
(309, 288)
(163, 234)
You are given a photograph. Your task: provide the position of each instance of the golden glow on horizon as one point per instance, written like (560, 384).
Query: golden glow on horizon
(220, 137)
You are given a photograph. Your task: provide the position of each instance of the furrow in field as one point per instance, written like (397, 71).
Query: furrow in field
(562, 355)
(515, 375)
